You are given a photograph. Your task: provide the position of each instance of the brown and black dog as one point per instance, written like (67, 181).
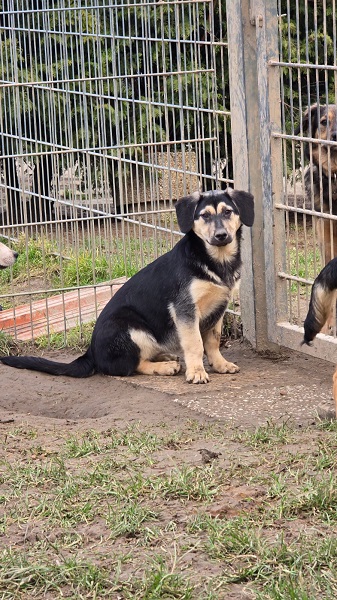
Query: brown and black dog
(174, 305)
(320, 180)
(320, 176)
(323, 295)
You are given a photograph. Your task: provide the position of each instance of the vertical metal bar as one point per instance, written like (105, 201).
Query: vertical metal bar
(266, 22)
(240, 36)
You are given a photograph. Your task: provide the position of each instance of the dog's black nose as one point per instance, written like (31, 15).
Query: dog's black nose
(16, 254)
(221, 235)
(333, 136)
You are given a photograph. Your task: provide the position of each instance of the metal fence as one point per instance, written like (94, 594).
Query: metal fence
(112, 111)
(306, 197)
(282, 61)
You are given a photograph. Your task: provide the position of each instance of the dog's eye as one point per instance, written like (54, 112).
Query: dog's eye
(226, 212)
(324, 121)
(206, 216)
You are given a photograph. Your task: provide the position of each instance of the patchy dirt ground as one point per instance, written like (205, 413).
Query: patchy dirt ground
(57, 502)
(293, 388)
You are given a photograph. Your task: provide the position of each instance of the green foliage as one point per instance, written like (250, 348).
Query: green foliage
(76, 338)
(305, 264)
(34, 254)
(7, 345)
(84, 268)
(307, 33)
(307, 38)
(107, 33)
(72, 268)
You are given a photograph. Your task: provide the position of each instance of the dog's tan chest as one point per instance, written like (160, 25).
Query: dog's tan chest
(208, 296)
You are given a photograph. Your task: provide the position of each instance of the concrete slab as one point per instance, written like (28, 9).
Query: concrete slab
(294, 387)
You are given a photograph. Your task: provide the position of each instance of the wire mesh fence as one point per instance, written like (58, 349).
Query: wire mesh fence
(308, 85)
(110, 111)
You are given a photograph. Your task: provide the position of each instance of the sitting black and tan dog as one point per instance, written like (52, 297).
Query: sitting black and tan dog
(174, 305)
(320, 176)
(7, 256)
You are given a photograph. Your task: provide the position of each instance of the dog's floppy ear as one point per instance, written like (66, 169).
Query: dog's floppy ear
(185, 209)
(244, 202)
(310, 115)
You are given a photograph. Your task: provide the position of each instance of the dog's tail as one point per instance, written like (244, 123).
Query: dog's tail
(322, 295)
(80, 367)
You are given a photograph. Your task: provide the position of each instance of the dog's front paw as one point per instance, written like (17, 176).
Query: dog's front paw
(225, 367)
(196, 375)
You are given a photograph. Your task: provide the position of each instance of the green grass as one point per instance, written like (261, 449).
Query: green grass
(128, 518)
(305, 265)
(77, 338)
(24, 576)
(124, 513)
(77, 265)
(268, 434)
(7, 345)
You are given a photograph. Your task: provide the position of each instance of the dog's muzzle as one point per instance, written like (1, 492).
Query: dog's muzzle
(221, 237)
(10, 260)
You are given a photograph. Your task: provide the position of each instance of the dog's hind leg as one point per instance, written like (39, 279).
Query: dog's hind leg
(330, 324)
(211, 340)
(327, 235)
(165, 356)
(149, 367)
(116, 354)
(150, 362)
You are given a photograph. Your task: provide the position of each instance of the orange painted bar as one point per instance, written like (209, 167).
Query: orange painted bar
(57, 313)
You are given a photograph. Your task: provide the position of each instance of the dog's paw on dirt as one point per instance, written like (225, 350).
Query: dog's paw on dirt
(196, 375)
(225, 367)
(171, 367)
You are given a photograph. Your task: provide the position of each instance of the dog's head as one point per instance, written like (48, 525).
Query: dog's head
(7, 256)
(320, 122)
(215, 216)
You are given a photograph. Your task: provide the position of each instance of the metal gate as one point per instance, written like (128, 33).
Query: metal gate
(111, 111)
(284, 55)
